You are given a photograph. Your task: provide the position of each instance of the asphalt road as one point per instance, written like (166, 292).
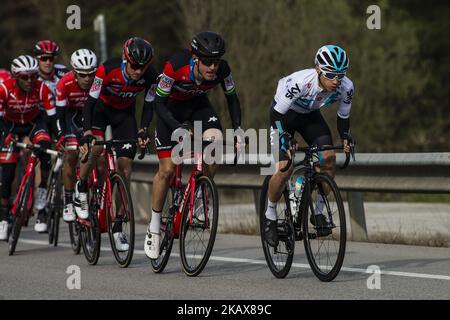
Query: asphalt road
(236, 270)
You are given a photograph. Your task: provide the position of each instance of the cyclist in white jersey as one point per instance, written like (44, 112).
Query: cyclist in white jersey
(296, 107)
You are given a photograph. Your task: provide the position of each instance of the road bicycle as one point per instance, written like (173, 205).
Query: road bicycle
(297, 217)
(190, 214)
(55, 199)
(109, 204)
(22, 208)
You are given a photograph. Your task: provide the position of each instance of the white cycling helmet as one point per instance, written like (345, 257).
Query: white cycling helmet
(331, 58)
(24, 64)
(84, 60)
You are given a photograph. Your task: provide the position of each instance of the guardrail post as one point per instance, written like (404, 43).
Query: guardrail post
(357, 216)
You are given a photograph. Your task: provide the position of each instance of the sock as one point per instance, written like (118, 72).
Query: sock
(271, 212)
(68, 196)
(155, 224)
(320, 203)
(83, 186)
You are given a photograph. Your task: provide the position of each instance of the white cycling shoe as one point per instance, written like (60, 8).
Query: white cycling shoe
(151, 245)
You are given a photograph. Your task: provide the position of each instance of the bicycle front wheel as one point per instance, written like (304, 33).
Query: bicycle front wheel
(90, 230)
(279, 259)
(120, 218)
(324, 238)
(20, 217)
(54, 202)
(74, 234)
(198, 230)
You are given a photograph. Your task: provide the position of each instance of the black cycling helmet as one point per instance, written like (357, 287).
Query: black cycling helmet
(137, 51)
(208, 44)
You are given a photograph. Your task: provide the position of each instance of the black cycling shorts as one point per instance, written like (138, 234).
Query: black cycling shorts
(196, 109)
(311, 126)
(123, 126)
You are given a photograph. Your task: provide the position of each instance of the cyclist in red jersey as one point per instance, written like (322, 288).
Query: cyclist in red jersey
(71, 94)
(46, 52)
(20, 99)
(112, 101)
(4, 75)
(181, 96)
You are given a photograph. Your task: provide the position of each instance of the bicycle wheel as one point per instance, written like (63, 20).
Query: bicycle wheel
(325, 253)
(90, 231)
(54, 202)
(20, 217)
(278, 259)
(198, 232)
(75, 238)
(167, 236)
(120, 215)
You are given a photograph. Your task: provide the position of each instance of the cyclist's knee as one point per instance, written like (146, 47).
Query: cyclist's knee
(213, 133)
(328, 161)
(283, 176)
(124, 166)
(166, 169)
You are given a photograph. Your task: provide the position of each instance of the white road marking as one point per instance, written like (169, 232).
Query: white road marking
(252, 261)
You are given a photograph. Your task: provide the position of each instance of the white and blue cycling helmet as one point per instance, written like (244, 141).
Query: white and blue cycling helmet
(331, 58)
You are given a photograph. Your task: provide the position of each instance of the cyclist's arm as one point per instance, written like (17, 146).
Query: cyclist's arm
(94, 95)
(61, 104)
(48, 100)
(147, 110)
(343, 113)
(3, 95)
(229, 88)
(163, 91)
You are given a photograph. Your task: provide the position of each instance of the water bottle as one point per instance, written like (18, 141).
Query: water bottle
(299, 185)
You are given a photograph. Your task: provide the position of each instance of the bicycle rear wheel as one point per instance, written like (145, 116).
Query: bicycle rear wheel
(90, 231)
(75, 237)
(121, 215)
(166, 230)
(278, 259)
(20, 217)
(198, 232)
(54, 201)
(325, 253)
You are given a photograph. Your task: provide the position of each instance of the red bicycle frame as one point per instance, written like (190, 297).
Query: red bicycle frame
(189, 191)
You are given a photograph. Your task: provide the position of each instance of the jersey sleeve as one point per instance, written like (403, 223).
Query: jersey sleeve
(97, 85)
(61, 94)
(48, 100)
(345, 104)
(288, 91)
(3, 96)
(166, 81)
(228, 84)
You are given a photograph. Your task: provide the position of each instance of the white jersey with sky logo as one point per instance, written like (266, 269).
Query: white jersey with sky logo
(301, 92)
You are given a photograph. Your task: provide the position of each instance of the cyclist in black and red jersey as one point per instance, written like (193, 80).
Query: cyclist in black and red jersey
(112, 101)
(21, 99)
(181, 96)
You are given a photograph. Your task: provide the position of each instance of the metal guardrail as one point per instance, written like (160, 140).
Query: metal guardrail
(371, 172)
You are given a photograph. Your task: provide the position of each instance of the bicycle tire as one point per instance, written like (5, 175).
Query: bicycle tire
(58, 206)
(75, 237)
(167, 237)
(324, 273)
(19, 218)
(51, 196)
(118, 179)
(186, 226)
(90, 235)
(284, 248)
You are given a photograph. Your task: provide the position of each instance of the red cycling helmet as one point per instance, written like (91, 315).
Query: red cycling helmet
(46, 47)
(137, 51)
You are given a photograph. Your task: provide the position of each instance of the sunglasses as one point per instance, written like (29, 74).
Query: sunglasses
(27, 77)
(210, 61)
(86, 75)
(137, 66)
(332, 76)
(46, 58)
